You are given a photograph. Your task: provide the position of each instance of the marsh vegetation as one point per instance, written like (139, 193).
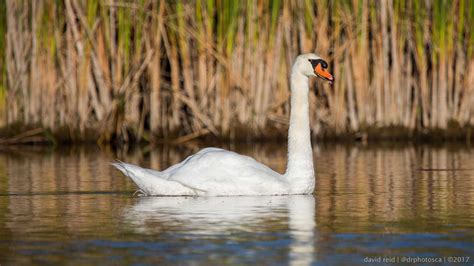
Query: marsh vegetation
(148, 70)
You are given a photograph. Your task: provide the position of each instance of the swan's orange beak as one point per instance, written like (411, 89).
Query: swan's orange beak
(323, 73)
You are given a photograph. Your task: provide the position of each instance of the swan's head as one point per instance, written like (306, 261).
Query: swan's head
(312, 65)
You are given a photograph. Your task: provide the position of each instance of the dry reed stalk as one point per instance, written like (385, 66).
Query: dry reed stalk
(154, 69)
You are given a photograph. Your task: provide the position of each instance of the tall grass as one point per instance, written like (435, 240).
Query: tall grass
(148, 69)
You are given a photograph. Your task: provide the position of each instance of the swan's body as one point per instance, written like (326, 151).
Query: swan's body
(218, 172)
(211, 171)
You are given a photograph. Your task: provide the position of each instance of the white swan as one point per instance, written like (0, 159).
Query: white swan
(218, 172)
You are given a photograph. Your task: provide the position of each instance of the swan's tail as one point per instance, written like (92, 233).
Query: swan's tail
(152, 182)
(132, 172)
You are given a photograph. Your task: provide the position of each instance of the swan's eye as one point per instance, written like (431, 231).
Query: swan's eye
(315, 62)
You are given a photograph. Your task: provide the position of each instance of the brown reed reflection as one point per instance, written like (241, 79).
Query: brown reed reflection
(394, 189)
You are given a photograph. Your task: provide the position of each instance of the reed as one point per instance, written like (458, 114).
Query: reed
(3, 29)
(146, 70)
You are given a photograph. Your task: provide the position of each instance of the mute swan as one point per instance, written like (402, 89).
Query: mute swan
(218, 172)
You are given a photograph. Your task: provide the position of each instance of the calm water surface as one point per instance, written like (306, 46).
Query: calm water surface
(70, 205)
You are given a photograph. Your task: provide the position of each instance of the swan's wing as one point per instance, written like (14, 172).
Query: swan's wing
(222, 172)
(170, 170)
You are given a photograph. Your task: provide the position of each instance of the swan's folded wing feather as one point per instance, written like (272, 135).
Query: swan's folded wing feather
(224, 172)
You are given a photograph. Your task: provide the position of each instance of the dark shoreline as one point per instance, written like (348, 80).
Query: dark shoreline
(31, 135)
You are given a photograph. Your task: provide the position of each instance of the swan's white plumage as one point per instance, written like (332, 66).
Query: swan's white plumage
(218, 172)
(210, 172)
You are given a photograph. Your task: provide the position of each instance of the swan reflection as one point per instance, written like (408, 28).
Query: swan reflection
(217, 216)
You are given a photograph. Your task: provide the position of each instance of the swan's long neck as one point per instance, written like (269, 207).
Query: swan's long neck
(300, 169)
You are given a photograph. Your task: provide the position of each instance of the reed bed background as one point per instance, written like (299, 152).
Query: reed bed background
(148, 70)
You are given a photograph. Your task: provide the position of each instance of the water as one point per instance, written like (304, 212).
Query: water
(371, 203)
